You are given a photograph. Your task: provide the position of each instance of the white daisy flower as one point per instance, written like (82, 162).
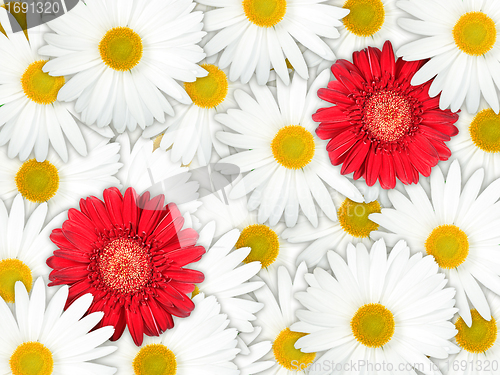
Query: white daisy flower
(459, 228)
(369, 23)
(477, 144)
(145, 169)
(288, 163)
(198, 344)
(60, 184)
(352, 226)
(191, 132)
(377, 309)
(257, 35)
(31, 117)
(227, 278)
(24, 245)
(460, 38)
(41, 340)
(125, 63)
(479, 344)
(276, 319)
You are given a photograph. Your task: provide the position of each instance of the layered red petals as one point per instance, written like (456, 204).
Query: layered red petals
(382, 128)
(128, 251)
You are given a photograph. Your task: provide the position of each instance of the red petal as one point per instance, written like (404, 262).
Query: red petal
(130, 210)
(113, 200)
(73, 255)
(373, 166)
(356, 157)
(360, 59)
(374, 62)
(58, 263)
(184, 275)
(149, 319)
(387, 177)
(150, 215)
(163, 319)
(387, 62)
(70, 274)
(332, 114)
(135, 324)
(335, 96)
(181, 257)
(403, 171)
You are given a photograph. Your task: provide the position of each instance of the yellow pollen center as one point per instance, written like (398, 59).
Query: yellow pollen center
(12, 270)
(124, 265)
(196, 291)
(157, 141)
(263, 241)
(31, 358)
(365, 18)
(209, 91)
(475, 33)
(373, 325)
(121, 48)
(479, 337)
(265, 13)
(38, 86)
(285, 353)
(37, 182)
(353, 217)
(449, 245)
(484, 131)
(387, 116)
(155, 359)
(293, 147)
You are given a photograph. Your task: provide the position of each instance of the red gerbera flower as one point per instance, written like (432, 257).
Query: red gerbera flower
(129, 252)
(381, 126)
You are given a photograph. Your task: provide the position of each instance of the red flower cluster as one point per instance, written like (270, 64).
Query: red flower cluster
(129, 252)
(381, 127)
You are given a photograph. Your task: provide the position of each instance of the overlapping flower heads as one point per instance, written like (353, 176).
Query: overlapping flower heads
(347, 222)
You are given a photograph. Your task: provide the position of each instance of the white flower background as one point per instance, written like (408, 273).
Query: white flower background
(216, 105)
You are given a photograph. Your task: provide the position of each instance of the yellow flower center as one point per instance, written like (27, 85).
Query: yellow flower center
(475, 33)
(37, 182)
(263, 241)
(479, 337)
(373, 325)
(286, 354)
(353, 217)
(196, 291)
(449, 245)
(31, 358)
(121, 48)
(12, 270)
(155, 359)
(209, 91)
(265, 13)
(38, 86)
(365, 18)
(485, 131)
(157, 141)
(293, 146)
